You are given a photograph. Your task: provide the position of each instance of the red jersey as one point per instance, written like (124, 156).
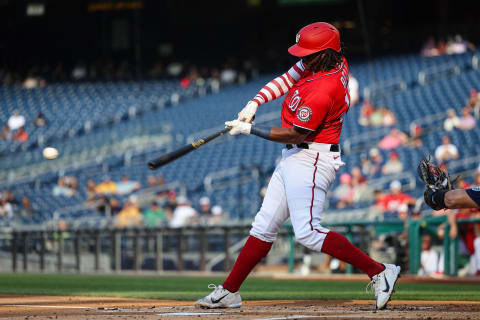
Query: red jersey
(318, 103)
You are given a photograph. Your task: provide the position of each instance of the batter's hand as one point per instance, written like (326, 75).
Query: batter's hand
(248, 112)
(238, 127)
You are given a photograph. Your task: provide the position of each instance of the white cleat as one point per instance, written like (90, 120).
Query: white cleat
(219, 298)
(383, 284)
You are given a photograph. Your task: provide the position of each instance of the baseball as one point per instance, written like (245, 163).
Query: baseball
(50, 153)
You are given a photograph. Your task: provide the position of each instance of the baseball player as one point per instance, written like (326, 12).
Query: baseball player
(317, 99)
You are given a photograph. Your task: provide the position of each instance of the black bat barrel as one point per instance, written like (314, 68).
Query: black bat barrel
(169, 157)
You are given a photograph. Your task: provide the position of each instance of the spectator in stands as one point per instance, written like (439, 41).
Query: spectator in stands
(378, 196)
(376, 118)
(415, 137)
(429, 49)
(6, 133)
(429, 258)
(126, 186)
(26, 210)
(184, 214)
(171, 202)
(154, 216)
(476, 180)
(388, 118)
(11, 198)
(474, 102)
(32, 81)
(6, 209)
(153, 181)
(107, 186)
(40, 120)
(72, 184)
(217, 217)
(452, 120)
(446, 151)
(353, 89)
(205, 210)
(91, 191)
(113, 207)
(16, 121)
(462, 183)
(365, 113)
(361, 191)
(357, 176)
(21, 135)
(62, 189)
(393, 165)
(466, 121)
(374, 164)
(458, 45)
(228, 75)
(393, 140)
(130, 214)
(391, 202)
(343, 195)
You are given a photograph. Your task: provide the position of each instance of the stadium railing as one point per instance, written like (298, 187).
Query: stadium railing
(201, 248)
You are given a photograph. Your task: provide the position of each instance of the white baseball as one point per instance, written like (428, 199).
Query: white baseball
(50, 153)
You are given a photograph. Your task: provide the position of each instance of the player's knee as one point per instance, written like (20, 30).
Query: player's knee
(262, 235)
(306, 240)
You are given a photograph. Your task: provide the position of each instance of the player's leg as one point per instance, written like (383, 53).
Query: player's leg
(265, 227)
(306, 184)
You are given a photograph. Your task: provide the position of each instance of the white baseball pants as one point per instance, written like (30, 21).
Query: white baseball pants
(297, 189)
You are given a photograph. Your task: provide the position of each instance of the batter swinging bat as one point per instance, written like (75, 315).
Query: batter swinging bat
(169, 157)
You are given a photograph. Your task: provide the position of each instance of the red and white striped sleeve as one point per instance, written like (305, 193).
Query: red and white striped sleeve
(280, 85)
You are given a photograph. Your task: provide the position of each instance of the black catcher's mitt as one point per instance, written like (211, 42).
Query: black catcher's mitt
(435, 179)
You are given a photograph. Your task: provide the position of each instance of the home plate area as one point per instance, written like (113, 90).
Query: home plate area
(51, 307)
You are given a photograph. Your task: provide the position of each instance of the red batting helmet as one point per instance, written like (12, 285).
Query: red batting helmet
(315, 37)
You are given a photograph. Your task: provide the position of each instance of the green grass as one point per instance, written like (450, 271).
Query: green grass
(191, 288)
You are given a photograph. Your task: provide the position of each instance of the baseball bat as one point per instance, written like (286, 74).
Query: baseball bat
(169, 157)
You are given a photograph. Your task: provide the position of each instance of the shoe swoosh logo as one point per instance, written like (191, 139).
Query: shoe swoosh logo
(387, 285)
(336, 157)
(218, 300)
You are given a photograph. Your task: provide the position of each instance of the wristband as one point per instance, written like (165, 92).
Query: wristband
(262, 132)
(438, 198)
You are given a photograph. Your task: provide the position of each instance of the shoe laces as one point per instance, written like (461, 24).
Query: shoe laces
(372, 285)
(212, 286)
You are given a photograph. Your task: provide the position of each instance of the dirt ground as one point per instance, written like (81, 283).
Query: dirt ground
(72, 308)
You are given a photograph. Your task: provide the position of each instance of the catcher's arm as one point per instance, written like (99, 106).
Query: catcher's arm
(440, 192)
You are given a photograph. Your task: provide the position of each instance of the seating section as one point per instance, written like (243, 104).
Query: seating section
(72, 108)
(122, 111)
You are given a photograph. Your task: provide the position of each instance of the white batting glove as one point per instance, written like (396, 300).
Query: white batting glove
(238, 127)
(248, 112)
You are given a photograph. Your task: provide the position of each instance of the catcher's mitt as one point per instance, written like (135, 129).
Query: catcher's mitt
(435, 179)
